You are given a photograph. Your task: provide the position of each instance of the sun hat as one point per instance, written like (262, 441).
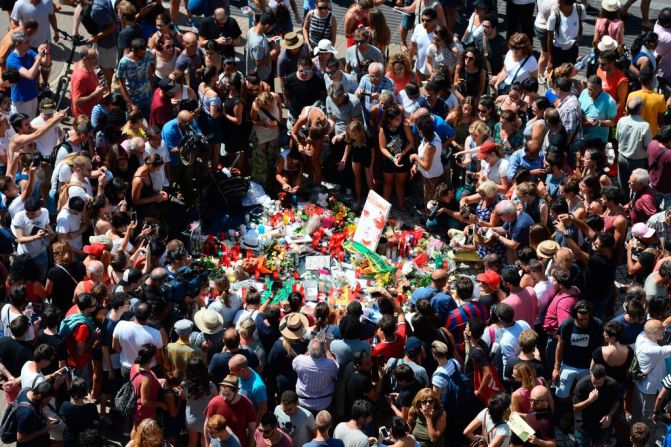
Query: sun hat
(209, 321)
(489, 277)
(607, 43)
(291, 41)
(547, 249)
(325, 46)
(293, 326)
(641, 230)
(610, 5)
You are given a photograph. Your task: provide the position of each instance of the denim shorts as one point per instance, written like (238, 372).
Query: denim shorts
(568, 375)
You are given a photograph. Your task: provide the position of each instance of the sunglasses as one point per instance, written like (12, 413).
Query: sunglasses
(426, 402)
(469, 58)
(322, 8)
(168, 47)
(427, 20)
(603, 64)
(483, 110)
(360, 42)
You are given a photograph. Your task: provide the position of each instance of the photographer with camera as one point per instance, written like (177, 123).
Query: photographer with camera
(173, 134)
(26, 134)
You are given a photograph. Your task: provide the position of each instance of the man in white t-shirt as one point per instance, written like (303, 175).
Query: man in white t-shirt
(155, 145)
(421, 38)
(80, 185)
(46, 143)
(564, 38)
(129, 336)
(69, 226)
(33, 233)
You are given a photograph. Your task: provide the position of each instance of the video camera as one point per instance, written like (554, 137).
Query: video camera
(192, 146)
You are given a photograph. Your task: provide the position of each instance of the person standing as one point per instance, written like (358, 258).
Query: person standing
(659, 162)
(106, 39)
(86, 90)
(135, 72)
(650, 357)
(595, 401)
(598, 110)
(564, 33)
(42, 11)
(294, 420)
(654, 104)
(421, 38)
(634, 136)
(236, 409)
(27, 62)
(261, 53)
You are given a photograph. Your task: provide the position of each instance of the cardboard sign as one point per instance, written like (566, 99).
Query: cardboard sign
(317, 262)
(372, 221)
(520, 427)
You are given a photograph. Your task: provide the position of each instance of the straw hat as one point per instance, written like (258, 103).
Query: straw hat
(547, 249)
(610, 5)
(607, 43)
(291, 41)
(209, 321)
(293, 326)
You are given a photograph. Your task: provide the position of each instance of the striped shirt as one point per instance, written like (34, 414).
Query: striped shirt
(457, 319)
(320, 28)
(316, 381)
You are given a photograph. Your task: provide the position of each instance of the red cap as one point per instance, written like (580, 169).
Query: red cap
(95, 250)
(490, 277)
(488, 147)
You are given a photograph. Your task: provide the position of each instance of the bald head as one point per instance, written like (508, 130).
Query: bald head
(95, 269)
(238, 366)
(539, 392)
(184, 117)
(190, 37)
(653, 326)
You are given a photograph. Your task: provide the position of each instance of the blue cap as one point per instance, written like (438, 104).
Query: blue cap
(413, 346)
(423, 293)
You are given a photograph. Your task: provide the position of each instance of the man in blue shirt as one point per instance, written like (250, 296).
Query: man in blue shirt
(515, 230)
(445, 132)
(529, 158)
(172, 134)
(599, 110)
(27, 62)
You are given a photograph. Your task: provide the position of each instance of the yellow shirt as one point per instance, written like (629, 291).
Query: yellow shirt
(653, 105)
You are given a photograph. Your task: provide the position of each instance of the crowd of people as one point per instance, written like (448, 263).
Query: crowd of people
(548, 173)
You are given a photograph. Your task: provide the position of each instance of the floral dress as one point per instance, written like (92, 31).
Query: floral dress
(484, 213)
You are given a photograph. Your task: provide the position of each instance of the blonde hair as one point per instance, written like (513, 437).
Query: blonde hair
(479, 128)
(487, 189)
(264, 98)
(527, 375)
(424, 394)
(528, 189)
(148, 434)
(80, 161)
(356, 132)
(521, 41)
(564, 258)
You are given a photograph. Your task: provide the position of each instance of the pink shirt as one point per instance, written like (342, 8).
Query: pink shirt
(525, 305)
(559, 309)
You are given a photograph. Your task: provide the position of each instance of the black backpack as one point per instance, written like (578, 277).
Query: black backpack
(9, 423)
(87, 20)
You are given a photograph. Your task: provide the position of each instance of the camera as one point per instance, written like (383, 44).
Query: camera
(192, 146)
(433, 213)
(35, 159)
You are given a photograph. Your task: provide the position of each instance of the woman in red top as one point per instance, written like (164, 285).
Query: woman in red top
(400, 71)
(615, 83)
(356, 17)
(146, 386)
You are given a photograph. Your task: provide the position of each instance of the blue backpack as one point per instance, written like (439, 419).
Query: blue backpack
(458, 399)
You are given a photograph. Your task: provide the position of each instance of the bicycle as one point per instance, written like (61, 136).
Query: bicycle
(64, 81)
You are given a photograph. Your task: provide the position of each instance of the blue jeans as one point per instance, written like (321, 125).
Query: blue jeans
(595, 437)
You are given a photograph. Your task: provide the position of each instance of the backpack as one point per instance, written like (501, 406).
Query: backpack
(635, 373)
(64, 194)
(580, 10)
(54, 152)
(125, 398)
(185, 282)
(9, 425)
(458, 400)
(87, 20)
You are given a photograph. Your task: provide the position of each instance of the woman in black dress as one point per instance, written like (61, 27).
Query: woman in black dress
(470, 76)
(234, 136)
(396, 143)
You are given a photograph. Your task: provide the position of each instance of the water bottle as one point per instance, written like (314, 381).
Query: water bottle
(586, 60)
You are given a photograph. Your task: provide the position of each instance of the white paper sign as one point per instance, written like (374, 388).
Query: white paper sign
(317, 262)
(372, 221)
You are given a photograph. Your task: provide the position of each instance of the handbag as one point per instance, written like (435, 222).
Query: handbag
(483, 440)
(125, 398)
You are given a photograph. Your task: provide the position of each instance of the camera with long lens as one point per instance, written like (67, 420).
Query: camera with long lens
(35, 159)
(193, 146)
